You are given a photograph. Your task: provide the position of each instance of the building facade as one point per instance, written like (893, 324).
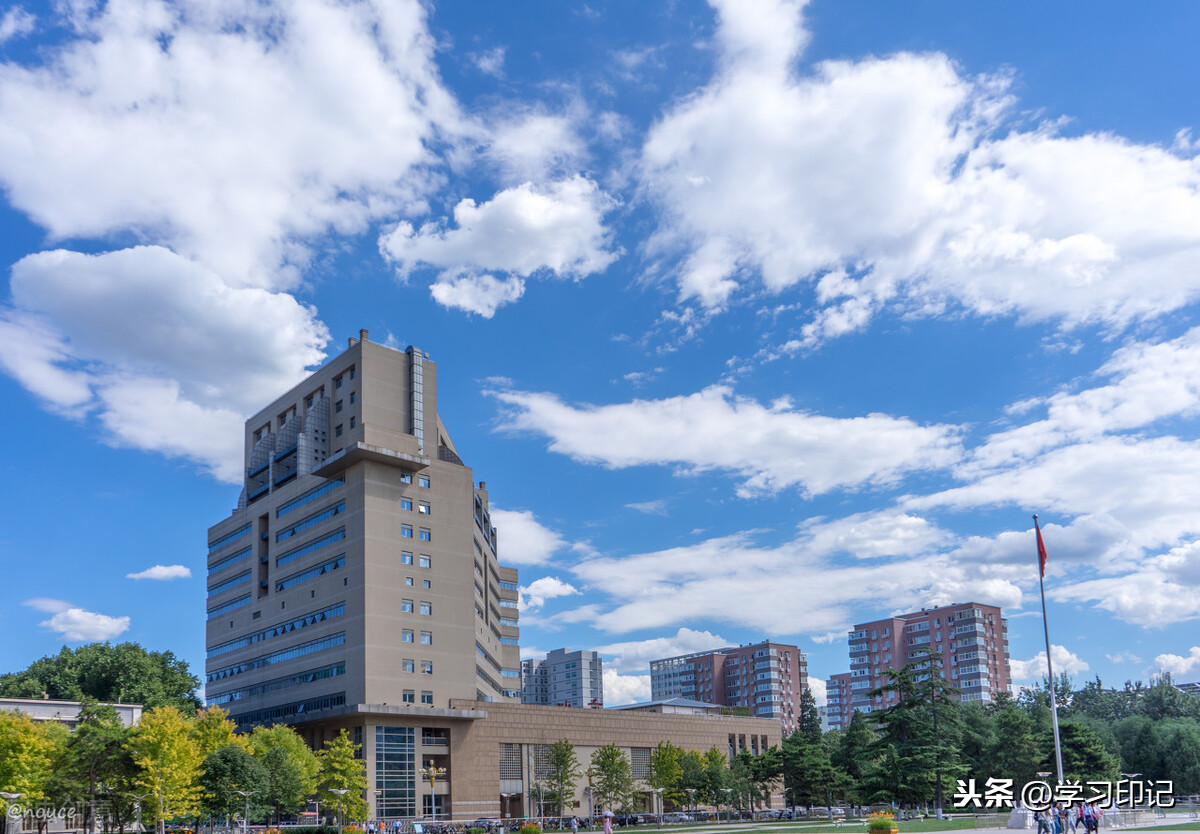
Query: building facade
(357, 587)
(360, 565)
(766, 678)
(563, 678)
(971, 638)
(837, 701)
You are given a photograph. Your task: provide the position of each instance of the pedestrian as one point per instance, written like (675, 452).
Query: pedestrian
(574, 825)
(1042, 818)
(608, 822)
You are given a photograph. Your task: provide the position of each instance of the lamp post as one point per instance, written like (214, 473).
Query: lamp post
(506, 797)
(659, 791)
(137, 807)
(341, 792)
(432, 772)
(691, 792)
(246, 817)
(728, 806)
(788, 799)
(378, 802)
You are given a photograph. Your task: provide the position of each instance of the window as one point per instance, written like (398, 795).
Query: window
(425, 583)
(337, 383)
(426, 667)
(337, 431)
(408, 696)
(424, 507)
(406, 503)
(406, 531)
(409, 666)
(427, 698)
(423, 481)
(352, 373)
(423, 534)
(405, 557)
(426, 608)
(406, 636)
(406, 606)
(408, 580)
(425, 561)
(406, 478)
(353, 421)
(426, 638)
(337, 406)
(353, 397)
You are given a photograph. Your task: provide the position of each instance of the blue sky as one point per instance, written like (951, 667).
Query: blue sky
(759, 318)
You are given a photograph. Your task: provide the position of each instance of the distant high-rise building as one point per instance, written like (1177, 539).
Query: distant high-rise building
(972, 639)
(766, 678)
(563, 678)
(837, 701)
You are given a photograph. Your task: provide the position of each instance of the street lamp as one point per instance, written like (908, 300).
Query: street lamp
(340, 792)
(137, 806)
(432, 772)
(728, 808)
(791, 802)
(506, 797)
(659, 791)
(691, 792)
(378, 802)
(246, 818)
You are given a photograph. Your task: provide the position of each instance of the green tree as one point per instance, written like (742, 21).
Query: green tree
(855, 755)
(26, 759)
(613, 781)
(808, 722)
(92, 762)
(168, 763)
(227, 770)
(1084, 755)
(808, 773)
(741, 780)
(213, 729)
(692, 777)
(666, 773)
(1015, 753)
(716, 776)
(103, 672)
(292, 769)
(563, 773)
(341, 770)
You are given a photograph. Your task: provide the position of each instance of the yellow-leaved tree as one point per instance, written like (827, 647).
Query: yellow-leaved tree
(168, 761)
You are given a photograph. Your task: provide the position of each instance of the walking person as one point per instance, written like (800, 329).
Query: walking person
(1042, 818)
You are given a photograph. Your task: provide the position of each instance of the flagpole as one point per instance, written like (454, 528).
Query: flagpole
(1049, 664)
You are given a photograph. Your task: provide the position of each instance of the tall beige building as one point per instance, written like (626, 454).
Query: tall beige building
(356, 587)
(360, 565)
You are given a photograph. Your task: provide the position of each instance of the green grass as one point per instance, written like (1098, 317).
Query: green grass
(1166, 826)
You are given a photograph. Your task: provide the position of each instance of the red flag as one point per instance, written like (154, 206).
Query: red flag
(1041, 547)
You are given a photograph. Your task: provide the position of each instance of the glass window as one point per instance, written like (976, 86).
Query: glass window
(408, 580)
(405, 557)
(426, 667)
(425, 583)
(423, 507)
(353, 397)
(409, 696)
(424, 534)
(337, 383)
(337, 406)
(406, 636)
(426, 638)
(427, 698)
(426, 608)
(337, 431)
(425, 561)
(353, 421)
(423, 481)
(406, 478)
(406, 503)
(406, 605)
(409, 666)
(406, 531)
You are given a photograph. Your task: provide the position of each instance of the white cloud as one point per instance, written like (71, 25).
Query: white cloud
(535, 145)
(625, 689)
(1178, 666)
(490, 61)
(77, 625)
(819, 690)
(1034, 669)
(635, 656)
(169, 356)
(657, 507)
(522, 231)
(481, 294)
(16, 23)
(234, 133)
(773, 447)
(1125, 657)
(897, 181)
(526, 541)
(537, 593)
(164, 572)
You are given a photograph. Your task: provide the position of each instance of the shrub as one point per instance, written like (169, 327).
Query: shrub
(530, 828)
(882, 821)
(476, 831)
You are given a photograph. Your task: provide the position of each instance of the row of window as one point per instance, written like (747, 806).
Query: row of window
(311, 573)
(213, 547)
(277, 684)
(244, 576)
(229, 606)
(406, 636)
(408, 697)
(273, 714)
(312, 495)
(410, 666)
(422, 480)
(310, 547)
(311, 521)
(279, 629)
(423, 533)
(406, 558)
(232, 558)
(406, 606)
(422, 506)
(281, 656)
